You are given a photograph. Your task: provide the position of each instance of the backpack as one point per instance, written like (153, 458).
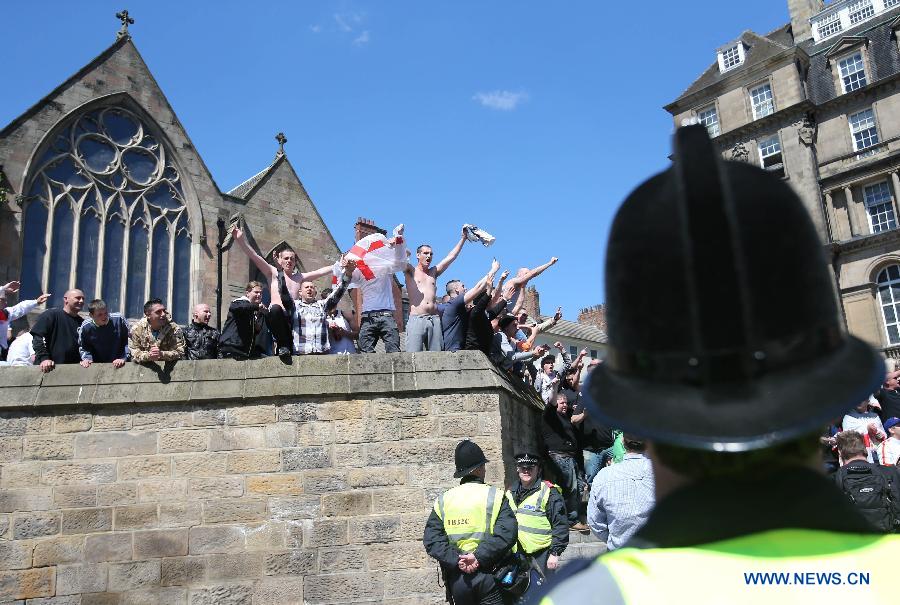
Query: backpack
(874, 493)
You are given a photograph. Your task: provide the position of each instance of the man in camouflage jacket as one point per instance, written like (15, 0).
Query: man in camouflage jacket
(156, 337)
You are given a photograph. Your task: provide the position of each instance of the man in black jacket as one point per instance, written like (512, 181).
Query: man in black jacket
(246, 316)
(874, 489)
(457, 536)
(561, 441)
(200, 338)
(55, 333)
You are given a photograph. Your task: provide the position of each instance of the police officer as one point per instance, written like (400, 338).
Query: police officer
(540, 512)
(729, 381)
(470, 530)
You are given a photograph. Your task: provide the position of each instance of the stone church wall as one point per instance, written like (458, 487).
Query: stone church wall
(220, 482)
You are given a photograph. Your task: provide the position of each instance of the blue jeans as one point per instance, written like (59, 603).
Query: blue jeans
(567, 475)
(593, 462)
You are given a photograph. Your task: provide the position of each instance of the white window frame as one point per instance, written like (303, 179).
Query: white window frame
(859, 11)
(769, 143)
(731, 56)
(829, 26)
(890, 3)
(888, 279)
(844, 66)
(873, 197)
(712, 125)
(870, 124)
(763, 106)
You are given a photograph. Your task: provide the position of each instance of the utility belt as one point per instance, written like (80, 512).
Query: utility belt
(377, 313)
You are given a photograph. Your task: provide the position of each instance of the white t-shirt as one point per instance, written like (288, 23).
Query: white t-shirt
(377, 293)
(21, 351)
(344, 345)
(889, 451)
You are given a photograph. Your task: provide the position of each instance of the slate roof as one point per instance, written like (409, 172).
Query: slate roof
(883, 53)
(247, 186)
(759, 49)
(574, 329)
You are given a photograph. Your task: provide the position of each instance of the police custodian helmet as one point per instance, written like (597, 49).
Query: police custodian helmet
(723, 321)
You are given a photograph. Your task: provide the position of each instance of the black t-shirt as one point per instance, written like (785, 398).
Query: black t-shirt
(55, 336)
(890, 403)
(558, 431)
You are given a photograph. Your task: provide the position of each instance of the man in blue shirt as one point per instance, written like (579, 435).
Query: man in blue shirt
(622, 496)
(103, 337)
(455, 312)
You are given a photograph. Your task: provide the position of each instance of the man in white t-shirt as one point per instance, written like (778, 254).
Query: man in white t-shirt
(867, 423)
(889, 450)
(377, 301)
(21, 351)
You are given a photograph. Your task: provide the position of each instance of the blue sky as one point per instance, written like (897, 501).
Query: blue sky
(530, 119)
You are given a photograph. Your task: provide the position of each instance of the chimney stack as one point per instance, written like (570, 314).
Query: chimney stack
(594, 316)
(532, 303)
(365, 227)
(801, 11)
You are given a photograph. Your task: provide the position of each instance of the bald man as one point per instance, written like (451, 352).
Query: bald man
(56, 333)
(202, 340)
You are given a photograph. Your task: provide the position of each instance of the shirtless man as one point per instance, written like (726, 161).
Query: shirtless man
(423, 330)
(284, 282)
(516, 285)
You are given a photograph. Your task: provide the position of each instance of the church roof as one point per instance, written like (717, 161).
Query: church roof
(244, 190)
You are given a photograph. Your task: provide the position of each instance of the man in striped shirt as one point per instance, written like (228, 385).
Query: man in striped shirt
(311, 322)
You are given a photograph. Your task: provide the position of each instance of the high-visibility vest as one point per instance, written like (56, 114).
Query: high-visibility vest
(535, 531)
(469, 512)
(780, 567)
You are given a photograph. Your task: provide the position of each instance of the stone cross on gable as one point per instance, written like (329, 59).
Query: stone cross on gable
(126, 21)
(281, 141)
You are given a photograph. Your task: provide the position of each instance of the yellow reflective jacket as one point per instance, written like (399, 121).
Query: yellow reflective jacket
(468, 512)
(535, 531)
(779, 567)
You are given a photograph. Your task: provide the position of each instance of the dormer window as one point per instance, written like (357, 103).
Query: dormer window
(829, 26)
(731, 56)
(860, 11)
(853, 72)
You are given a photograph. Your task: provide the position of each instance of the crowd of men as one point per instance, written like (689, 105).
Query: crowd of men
(718, 478)
(299, 321)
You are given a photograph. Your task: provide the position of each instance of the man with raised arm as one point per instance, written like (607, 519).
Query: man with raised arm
(284, 283)
(423, 330)
(514, 287)
(455, 312)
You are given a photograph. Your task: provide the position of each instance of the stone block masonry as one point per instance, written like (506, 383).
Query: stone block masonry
(224, 482)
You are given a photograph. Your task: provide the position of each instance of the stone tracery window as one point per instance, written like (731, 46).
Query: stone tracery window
(105, 212)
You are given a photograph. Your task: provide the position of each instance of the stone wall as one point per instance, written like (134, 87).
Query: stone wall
(219, 482)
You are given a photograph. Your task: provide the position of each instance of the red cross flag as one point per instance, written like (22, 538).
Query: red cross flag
(375, 255)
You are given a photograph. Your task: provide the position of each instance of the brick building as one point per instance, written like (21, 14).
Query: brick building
(816, 102)
(104, 190)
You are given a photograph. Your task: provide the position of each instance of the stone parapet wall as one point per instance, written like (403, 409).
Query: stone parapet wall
(219, 482)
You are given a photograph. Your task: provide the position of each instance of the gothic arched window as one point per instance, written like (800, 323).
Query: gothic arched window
(105, 212)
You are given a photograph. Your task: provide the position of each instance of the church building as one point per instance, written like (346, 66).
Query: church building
(102, 189)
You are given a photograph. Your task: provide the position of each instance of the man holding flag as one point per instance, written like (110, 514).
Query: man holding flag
(372, 287)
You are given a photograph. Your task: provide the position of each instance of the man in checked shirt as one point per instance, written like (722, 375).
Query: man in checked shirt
(621, 496)
(311, 324)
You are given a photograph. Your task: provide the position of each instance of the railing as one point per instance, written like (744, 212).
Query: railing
(891, 352)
